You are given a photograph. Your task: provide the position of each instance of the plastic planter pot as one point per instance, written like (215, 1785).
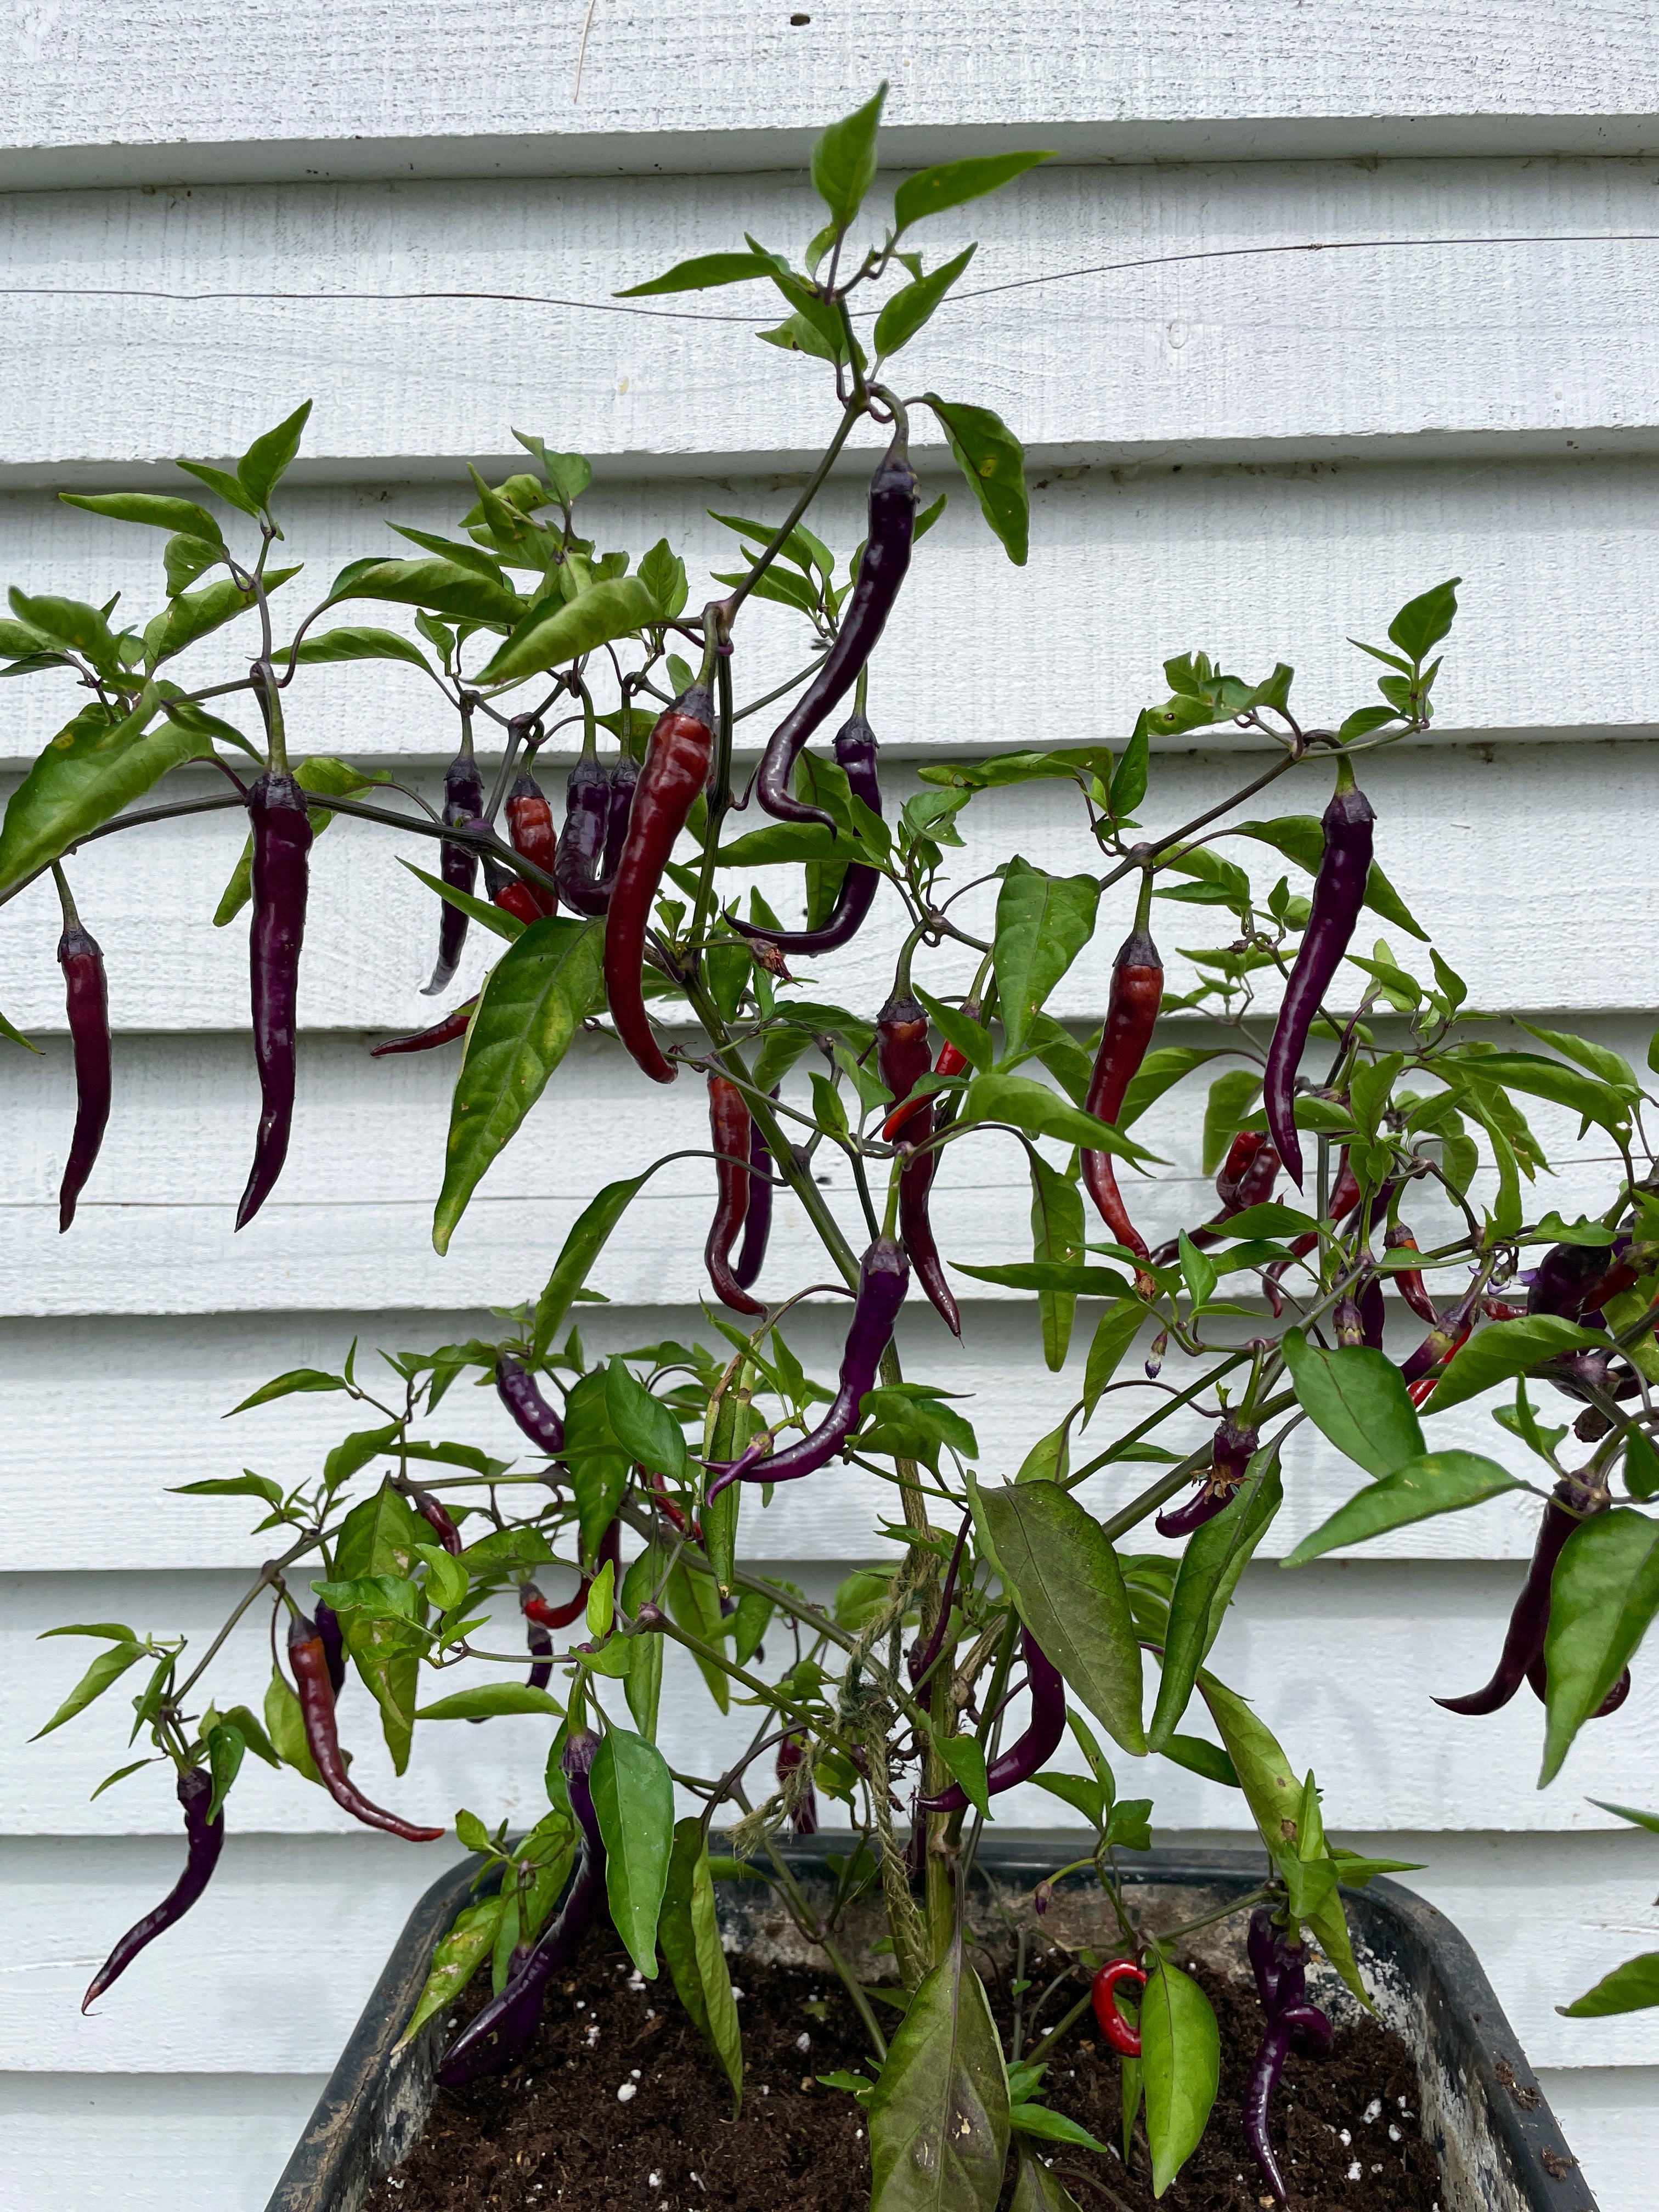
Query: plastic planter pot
(1499, 2147)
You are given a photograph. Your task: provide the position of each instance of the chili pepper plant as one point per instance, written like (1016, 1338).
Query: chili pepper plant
(411, 1581)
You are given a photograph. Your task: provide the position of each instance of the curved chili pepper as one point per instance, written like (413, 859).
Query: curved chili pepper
(519, 1391)
(530, 824)
(882, 568)
(581, 850)
(1136, 995)
(757, 1225)
(1260, 2085)
(308, 1656)
(687, 1524)
(532, 1605)
(916, 1230)
(1408, 1281)
(856, 752)
(328, 1627)
(1030, 1751)
(675, 769)
(729, 1129)
(1247, 1179)
(510, 892)
(1217, 1485)
(502, 2030)
(1280, 1969)
(1523, 1641)
(883, 1278)
(88, 996)
(903, 1056)
(456, 864)
(281, 841)
(1124, 2039)
(917, 1660)
(1339, 895)
(203, 1840)
(436, 1516)
(453, 1027)
(792, 1757)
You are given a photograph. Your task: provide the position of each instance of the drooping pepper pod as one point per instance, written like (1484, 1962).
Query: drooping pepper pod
(86, 994)
(436, 1516)
(1339, 895)
(1131, 1011)
(1408, 1281)
(624, 781)
(757, 1223)
(203, 1840)
(282, 844)
(520, 1391)
(1247, 1178)
(328, 1627)
(1123, 2037)
(453, 1027)
(580, 848)
(886, 557)
(503, 2029)
(904, 1055)
(1030, 1751)
(1217, 1485)
(729, 1128)
(510, 892)
(1574, 1281)
(792, 1757)
(883, 1278)
(530, 825)
(675, 769)
(856, 752)
(1420, 1370)
(308, 1656)
(456, 864)
(1523, 1641)
(915, 1226)
(1280, 1967)
(532, 1605)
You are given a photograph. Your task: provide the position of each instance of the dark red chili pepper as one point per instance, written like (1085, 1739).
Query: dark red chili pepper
(1408, 1281)
(282, 842)
(503, 2029)
(1280, 1968)
(675, 769)
(1523, 1642)
(687, 1524)
(916, 1229)
(757, 1223)
(534, 1607)
(856, 752)
(729, 1128)
(88, 997)
(436, 1516)
(1339, 895)
(882, 568)
(203, 1840)
(328, 1627)
(510, 892)
(1372, 1314)
(883, 1278)
(308, 1656)
(581, 840)
(1247, 1178)
(1217, 1485)
(453, 1027)
(536, 1635)
(1136, 993)
(1030, 1751)
(1575, 1279)
(1124, 2039)
(1344, 1196)
(792, 1756)
(456, 864)
(624, 781)
(904, 1055)
(530, 824)
(519, 1391)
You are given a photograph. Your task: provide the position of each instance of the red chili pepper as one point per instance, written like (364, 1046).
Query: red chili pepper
(510, 892)
(1247, 1178)
(729, 1128)
(450, 1030)
(1408, 1281)
(436, 1516)
(904, 1055)
(675, 769)
(282, 842)
(530, 824)
(308, 1658)
(204, 1838)
(1123, 2038)
(1131, 1011)
(88, 997)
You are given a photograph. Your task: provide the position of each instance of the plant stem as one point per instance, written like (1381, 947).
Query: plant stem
(854, 408)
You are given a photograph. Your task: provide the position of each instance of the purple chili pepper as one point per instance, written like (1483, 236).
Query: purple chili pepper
(1571, 1280)
(1279, 1966)
(456, 864)
(856, 751)
(919, 1661)
(1231, 1454)
(1039, 1743)
(580, 848)
(883, 1278)
(282, 842)
(518, 1390)
(504, 2030)
(1524, 1643)
(624, 778)
(1339, 895)
(757, 1222)
(328, 1627)
(88, 999)
(204, 1838)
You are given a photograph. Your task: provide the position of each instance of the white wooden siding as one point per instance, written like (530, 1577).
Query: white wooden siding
(1260, 455)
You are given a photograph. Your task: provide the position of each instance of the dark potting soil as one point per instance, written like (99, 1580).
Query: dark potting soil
(620, 2105)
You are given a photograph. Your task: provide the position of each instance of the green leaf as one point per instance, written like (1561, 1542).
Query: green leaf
(1041, 1112)
(487, 916)
(1632, 1987)
(261, 467)
(1180, 2064)
(1160, 1071)
(994, 462)
(691, 1938)
(107, 1669)
(359, 643)
(1115, 1332)
(69, 624)
(1215, 1556)
(1436, 1482)
(193, 615)
(284, 1385)
(1301, 838)
(246, 1484)
(488, 1698)
(643, 1425)
(1084, 1282)
(1423, 622)
(1641, 1466)
(1042, 923)
(286, 1728)
(938, 2119)
(1057, 1232)
(441, 586)
(1231, 1101)
(1196, 1272)
(953, 183)
(910, 308)
(156, 508)
(457, 1958)
(634, 1798)
(964, 1755)
(1648, 1820)
(588, 1236)
(1037, 2190)
(533, 1004)
(701, 273)
(1028, 2119)
(1202, 1757)
(1129, 777)
(352, 1453)
(1603, 1596)
(544, 640)
(112, 1631)
(1356, 1397)
(844, 159)
(1066, 1580)
(225, 1750)
(1611, 1066)
(1505, 1350)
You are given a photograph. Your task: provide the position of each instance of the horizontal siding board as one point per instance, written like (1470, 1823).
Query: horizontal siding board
(138, 91)
(1454, 350)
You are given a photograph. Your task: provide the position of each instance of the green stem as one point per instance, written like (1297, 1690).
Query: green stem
(855, 407)
(270, 706)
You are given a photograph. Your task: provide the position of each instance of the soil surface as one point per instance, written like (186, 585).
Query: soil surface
(555, 2131)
